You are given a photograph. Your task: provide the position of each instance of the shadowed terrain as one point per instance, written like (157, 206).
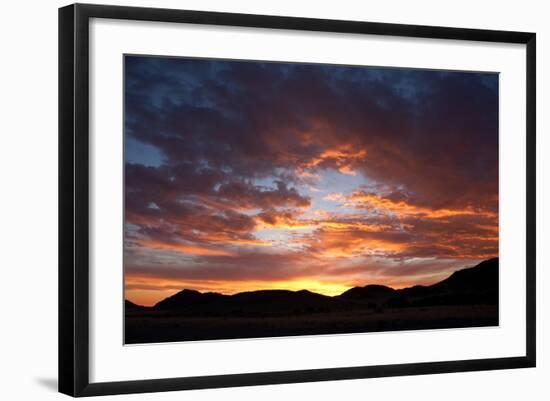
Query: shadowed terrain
(467, 298)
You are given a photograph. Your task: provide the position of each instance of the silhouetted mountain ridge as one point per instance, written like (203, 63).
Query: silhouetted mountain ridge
(368, 292)
(189, 298)
(474, 285)
(130, 306)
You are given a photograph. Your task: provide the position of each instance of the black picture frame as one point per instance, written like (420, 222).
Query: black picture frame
(74, 200)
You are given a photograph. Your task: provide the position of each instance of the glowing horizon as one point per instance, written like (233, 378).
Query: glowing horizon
(148, 297)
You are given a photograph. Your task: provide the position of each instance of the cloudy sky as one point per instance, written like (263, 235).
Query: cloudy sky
(252, 175)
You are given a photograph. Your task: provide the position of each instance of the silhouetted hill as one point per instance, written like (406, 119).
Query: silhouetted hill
(472, 285)
(482, 277)
(188, 299)
(279, 301)
(130, 306)
(252, 303)
(369, 292)
(475, 285)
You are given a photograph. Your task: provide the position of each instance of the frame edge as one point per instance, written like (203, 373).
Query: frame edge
(66, 340)
(73, 302)
(531, 202)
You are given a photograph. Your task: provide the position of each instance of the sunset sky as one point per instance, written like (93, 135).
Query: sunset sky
(247, 175)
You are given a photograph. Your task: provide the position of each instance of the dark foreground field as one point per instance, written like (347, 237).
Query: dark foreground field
(152, 328)
(467, 298)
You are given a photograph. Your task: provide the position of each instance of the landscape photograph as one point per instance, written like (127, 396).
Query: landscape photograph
(270, 199)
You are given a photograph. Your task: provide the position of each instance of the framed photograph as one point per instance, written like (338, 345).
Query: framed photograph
(249, 199)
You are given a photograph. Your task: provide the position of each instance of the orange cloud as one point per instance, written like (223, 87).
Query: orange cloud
(281, 220)
(222, 239)
(346, 169)
(359, 226)
(184, 248)
(306, 174)
(345, 247)
(346, 240)
(343, 157)
(334, 196)
(403, 208)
